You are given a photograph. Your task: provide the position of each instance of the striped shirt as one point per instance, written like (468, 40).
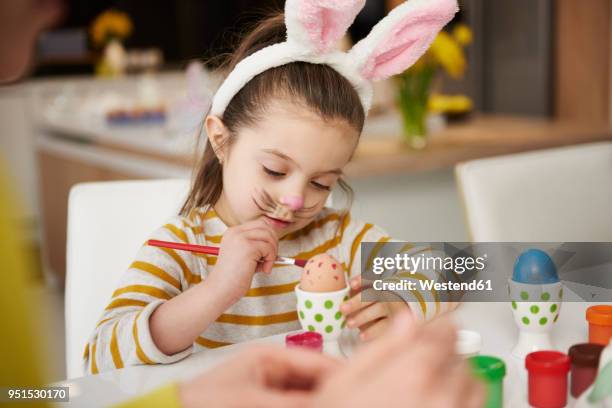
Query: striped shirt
(122, 336)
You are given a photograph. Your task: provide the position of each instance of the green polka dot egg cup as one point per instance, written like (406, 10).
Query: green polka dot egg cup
(536, 309)
(320, 312)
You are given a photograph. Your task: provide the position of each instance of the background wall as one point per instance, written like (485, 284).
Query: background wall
(412, 207)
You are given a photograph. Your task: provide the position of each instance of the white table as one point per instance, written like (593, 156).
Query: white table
(494, 321)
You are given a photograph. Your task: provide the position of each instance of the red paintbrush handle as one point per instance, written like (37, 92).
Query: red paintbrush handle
(202, 249)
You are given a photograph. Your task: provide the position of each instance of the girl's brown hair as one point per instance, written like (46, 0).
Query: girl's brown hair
(316, 86)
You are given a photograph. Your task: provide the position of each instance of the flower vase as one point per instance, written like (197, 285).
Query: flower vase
(114, 60)
(413, 95)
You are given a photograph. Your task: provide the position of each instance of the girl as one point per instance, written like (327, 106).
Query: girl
(282, 127)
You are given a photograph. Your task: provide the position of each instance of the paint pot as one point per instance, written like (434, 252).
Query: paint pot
(585, 361)
(491, 370)
(600, 324)
(547, 383)
(468, 343)
(309, 340)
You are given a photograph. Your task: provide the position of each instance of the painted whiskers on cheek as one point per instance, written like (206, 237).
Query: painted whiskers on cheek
(263, 205)
(267, 204)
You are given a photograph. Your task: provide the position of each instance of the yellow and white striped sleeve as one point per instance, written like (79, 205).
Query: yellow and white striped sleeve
(122, 336)
(424, 304)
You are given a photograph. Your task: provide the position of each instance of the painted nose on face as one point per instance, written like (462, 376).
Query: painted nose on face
(293, 202)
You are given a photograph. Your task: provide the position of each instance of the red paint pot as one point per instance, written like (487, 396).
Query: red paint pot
(309, 339)
(547, 378)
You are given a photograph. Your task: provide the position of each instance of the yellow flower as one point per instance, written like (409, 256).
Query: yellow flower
(448, 53)
(462, 34)
(111, 23)
(449, 103)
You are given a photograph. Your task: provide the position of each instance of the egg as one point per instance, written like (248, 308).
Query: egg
(323, 273)
(535, 267)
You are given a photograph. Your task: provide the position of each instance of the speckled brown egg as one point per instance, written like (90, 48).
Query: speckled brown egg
(323, 273)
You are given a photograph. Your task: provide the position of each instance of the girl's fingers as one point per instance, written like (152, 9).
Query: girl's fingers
(257, 223)
(358, 285)
(260, 234)
(265, 267)
(254, 233)
(262, 252)
(367, 314)
(266, 250)
(353, 304)
(355, 284)
(270, 232)
(375, 330)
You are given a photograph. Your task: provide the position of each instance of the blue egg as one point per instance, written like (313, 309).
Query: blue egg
(534, 267)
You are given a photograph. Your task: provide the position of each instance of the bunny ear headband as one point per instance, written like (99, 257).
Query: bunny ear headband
(315, 26)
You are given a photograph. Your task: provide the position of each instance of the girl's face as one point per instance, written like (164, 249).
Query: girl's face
(283, 168)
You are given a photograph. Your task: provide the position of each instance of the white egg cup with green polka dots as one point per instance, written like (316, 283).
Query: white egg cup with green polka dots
(536, 309)
(320, 312)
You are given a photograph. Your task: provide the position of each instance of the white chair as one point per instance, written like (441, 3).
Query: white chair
(557, 195)
(107, 224)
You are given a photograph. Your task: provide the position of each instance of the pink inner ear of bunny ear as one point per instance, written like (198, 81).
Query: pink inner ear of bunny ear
(408, 44)
(405, 43)
(392, 54)
(326, 21)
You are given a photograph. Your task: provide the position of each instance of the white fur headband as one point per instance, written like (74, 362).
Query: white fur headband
(315, 26)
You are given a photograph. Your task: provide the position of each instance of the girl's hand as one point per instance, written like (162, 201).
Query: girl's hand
(371, 318)
(413, 365)
(245, 249)
(177, 323)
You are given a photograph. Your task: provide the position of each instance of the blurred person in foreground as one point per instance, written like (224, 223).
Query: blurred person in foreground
(265, 375)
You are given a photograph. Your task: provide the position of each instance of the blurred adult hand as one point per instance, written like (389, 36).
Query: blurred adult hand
(20, 23)
(261, 376)
(413, 365)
